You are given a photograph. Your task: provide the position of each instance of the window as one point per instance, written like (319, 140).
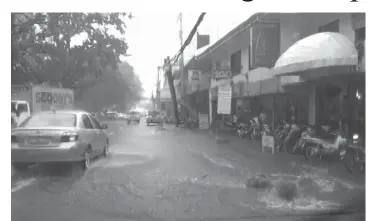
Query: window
(86, 122)
(14, 109)
(236, 62)
(50, 120)
(22, 108)
(330, 27)
(360, 34)
(96, 124)
(217, 65)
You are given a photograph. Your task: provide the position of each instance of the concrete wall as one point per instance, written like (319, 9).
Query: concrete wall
(294, 27)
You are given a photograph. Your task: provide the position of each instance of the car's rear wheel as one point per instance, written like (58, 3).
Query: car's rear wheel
(86, 161)
(106, 149)
(20, 167)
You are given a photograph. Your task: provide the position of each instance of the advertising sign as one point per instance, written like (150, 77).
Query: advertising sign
(224, 99)
(47, 98)
(221, 74)
(194, 75)
(268, 142)
(264, 45)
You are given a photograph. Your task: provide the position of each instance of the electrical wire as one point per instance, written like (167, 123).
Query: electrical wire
(189, 38)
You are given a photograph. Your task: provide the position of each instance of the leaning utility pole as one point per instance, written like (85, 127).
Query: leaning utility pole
(183, 91)
(168, 72)
(158, 102)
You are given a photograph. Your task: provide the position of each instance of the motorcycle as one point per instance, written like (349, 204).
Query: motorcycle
(188, 122)
(292, 138)
(266, 130)
(242, 130)
(306, 132)
(355, 156)
(256, 129)
(280, 133)
(335, 144)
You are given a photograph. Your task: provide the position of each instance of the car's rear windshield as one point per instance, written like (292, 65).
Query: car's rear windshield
(50, 120)
(153, 113)
(133, 113)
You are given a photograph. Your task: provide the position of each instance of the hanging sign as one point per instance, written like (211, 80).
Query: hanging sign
(221, 74)
(195, 75)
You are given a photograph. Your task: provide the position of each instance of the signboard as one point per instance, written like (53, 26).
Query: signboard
(203, 121)
(194, 75)
(47, 98)
(224, 99)
(264, 45)
(268, 142)
(221, 74)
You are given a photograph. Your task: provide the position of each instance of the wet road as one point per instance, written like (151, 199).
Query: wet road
(177, 174)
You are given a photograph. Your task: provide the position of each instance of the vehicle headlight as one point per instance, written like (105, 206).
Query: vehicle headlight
(355, 136)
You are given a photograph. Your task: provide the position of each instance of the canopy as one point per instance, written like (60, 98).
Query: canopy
(325, 49)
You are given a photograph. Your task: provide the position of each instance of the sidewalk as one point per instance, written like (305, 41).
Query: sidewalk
(284, 162)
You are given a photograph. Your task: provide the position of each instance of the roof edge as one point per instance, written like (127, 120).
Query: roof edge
(232, 33)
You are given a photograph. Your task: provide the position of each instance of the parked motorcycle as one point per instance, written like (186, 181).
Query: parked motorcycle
(256, 129)
(242, 130)
(188, 122)
(335, 144)
(306, 132)
(280, 133)
(355, 156)
(292, 138)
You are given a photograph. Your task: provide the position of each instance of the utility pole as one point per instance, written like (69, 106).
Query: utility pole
(158, 90)
(183, 90)
(168, 72)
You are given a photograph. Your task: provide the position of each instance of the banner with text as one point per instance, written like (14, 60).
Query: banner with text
(221, 74)
(194, 75)
(224, 99)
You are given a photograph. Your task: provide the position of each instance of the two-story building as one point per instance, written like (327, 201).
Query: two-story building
(287, 62)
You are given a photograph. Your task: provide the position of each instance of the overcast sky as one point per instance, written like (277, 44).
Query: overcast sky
(153, 36)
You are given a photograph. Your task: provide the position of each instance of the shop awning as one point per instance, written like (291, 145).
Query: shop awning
(325, 49)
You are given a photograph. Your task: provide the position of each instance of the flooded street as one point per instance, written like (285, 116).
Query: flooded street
(176, 174)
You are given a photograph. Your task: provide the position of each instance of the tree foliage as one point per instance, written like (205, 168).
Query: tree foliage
(120, 87)
(42, 49)
(45, 50)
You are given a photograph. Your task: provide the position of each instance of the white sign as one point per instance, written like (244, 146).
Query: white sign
(224, 99)
(47, 98)
(268, 142)
(195, 75)
(220, 74)
(203, 121)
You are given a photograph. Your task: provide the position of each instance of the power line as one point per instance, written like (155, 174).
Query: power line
(189, 38)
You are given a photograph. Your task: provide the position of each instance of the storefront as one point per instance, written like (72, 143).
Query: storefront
(329, 73)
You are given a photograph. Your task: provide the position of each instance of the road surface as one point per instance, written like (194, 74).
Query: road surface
(179, 174)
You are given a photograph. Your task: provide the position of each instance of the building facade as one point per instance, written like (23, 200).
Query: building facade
(253, 50)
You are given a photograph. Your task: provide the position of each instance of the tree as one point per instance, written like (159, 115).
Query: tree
(42, 49)
(121, 87)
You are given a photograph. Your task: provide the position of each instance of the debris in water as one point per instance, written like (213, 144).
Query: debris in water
(259, 181)
(287, 191)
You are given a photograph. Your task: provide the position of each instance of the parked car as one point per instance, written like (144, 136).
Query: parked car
(134, 116)
(153, 117)
(112, 115)
(59, 136)
(122, 116)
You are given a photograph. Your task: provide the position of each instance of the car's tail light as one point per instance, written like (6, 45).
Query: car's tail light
(69, 137)
(14, 139)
